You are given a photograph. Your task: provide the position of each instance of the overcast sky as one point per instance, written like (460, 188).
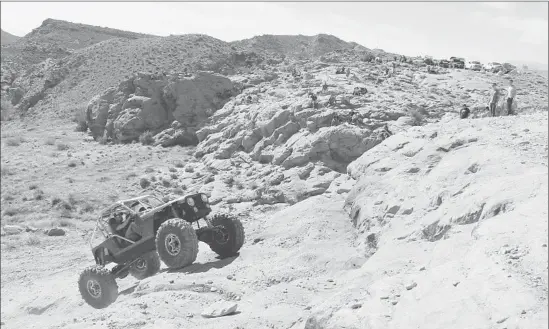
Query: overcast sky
(496, 31)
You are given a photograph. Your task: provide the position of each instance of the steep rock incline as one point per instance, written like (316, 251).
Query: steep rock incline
(453, 217)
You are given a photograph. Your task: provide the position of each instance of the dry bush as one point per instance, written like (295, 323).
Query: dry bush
(146, 138)
(50, 141)
(73, 163)
(62, 146)
(416, 116)
(178, 164)
(32, 240)
(6, 171)
(144, 182)
(15, 141)
(102, 140)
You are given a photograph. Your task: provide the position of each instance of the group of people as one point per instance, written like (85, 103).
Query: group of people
(494, 100)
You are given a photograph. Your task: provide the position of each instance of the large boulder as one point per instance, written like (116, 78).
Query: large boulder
(149, 102)
(194, 97)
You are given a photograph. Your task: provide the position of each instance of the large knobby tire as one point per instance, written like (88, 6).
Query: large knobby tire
(176, 243)
(98, 286)
(145, 266)
(228, 241)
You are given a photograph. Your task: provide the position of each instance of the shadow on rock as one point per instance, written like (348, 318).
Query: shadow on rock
(201, 268)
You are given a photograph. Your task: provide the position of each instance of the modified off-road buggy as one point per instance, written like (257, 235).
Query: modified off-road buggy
(140, 232)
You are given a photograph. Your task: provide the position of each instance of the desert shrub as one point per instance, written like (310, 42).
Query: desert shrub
(174, 176)
(11, 211)
(146, 138)
(144, 182)
(178, 164)
(62, 146)
(38, 195)
(7, 110)
(80, 117)
(189, 169)
(50, 141)
(416, 116)
(166, 183)
(229, 181)
(32, 240)
(81, 126)
(102, 140)
(172, 169)
(72, 163)
(6, 171)
(15, 141)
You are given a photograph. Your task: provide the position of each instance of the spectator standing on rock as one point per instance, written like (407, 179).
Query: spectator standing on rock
(494, 100)
(348, 72)
(511, 93)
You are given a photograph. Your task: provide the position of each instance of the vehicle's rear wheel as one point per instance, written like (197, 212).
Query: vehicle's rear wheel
(228, 235)
(176, 243)
(145, 266)
(98, 287)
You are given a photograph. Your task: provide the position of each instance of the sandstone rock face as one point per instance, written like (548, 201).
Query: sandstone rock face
(150, 102)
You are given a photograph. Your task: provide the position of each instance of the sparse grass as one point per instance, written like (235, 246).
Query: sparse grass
(146, 138)
(62, 146)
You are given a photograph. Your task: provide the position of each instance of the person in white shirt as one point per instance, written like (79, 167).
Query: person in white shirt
(511, 93)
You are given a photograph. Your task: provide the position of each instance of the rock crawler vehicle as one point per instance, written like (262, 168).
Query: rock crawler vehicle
(140, 232)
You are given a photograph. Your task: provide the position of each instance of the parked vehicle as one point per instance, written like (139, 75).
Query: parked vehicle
(490, 66)
(457, 62)
(474, 66)
(444, 63)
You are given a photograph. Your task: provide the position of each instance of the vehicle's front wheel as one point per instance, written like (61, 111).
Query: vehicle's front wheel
(228, 235)
(145, 266)
(98, 286)
(176, 243)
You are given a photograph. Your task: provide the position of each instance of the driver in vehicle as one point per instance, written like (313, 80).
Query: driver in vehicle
(125, 225)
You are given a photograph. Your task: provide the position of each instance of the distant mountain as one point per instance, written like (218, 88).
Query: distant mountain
(8, 38)
(531, 65)
(56, 39)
